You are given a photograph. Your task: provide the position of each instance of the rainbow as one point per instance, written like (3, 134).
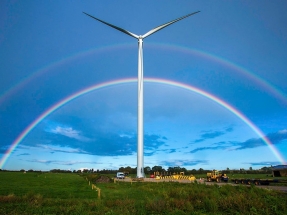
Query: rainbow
(134, 80)
(234, 67)
(56, 64)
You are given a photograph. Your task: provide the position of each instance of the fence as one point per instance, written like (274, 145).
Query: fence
(94, 187)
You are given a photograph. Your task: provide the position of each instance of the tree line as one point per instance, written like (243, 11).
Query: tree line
(159, 169)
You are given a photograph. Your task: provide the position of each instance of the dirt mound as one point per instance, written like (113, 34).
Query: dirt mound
(103, 179)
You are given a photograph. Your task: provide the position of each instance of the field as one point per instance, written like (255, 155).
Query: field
(67, 193)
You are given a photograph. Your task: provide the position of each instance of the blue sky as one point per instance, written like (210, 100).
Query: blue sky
(232, 50)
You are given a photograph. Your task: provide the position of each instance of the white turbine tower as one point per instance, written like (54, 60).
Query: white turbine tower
(140, 162)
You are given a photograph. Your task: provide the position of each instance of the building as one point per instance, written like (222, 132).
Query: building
(279, 171)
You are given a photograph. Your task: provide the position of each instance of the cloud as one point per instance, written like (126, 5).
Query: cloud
(264, 163)
(67, 163)
(152, 143)
(149, 153)
(212, 134)
(2, 151)
(54, 149)
(40, 161)
(69, 132)
(208, 148)
(172, 151)
(275, 138)
(23, 154)
(172, 163)
(168, 151)
(102, 144)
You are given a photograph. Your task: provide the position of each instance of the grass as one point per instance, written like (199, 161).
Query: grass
(51, 193)
(48, 185)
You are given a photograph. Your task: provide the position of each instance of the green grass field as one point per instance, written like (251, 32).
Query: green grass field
(48, 185)
(65, 193)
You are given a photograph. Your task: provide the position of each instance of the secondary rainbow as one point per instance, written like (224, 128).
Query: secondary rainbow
(205, 55)
(134, 80)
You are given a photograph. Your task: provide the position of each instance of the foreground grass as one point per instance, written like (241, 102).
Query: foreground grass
(50, 193)
(48, 185)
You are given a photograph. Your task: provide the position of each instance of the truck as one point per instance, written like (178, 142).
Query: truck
(217, 176)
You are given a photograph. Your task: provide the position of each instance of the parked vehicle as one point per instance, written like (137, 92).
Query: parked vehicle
(254, 181)
(120, 175)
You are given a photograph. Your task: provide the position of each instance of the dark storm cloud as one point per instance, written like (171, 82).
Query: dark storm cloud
(212, 134)
(275, 138)
(184, 162)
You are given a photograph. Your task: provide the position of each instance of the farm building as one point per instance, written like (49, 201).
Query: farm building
(280, 170)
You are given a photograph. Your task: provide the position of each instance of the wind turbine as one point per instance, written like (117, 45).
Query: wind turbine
(140, 160)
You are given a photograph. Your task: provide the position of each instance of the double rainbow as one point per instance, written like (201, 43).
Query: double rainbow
(133, 80)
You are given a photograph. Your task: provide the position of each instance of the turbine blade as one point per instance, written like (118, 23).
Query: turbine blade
(113, 26)
(166, 24)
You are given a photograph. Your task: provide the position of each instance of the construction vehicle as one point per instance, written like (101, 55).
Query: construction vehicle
(217, 176)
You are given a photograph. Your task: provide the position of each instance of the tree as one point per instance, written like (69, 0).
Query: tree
(200, 170)
(177, 170)
(157, 169)
(147, 169)
(121, 169)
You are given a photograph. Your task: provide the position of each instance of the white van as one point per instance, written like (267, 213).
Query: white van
(120, 175)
